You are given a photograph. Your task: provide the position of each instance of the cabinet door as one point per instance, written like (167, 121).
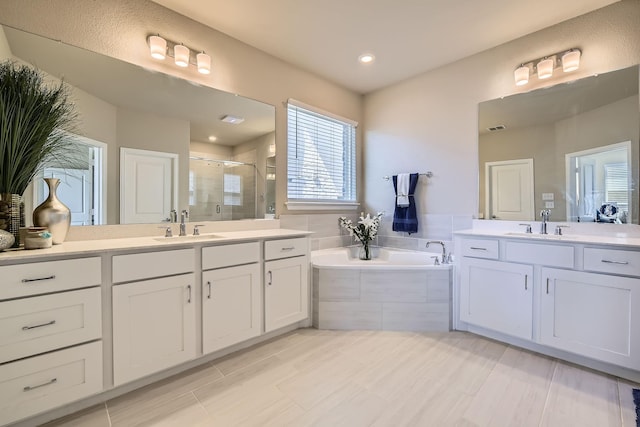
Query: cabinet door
(154, 325)
(286, 293)
(498, 296)
(230, 306)
(591, 315)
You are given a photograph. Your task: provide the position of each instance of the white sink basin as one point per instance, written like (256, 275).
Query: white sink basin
(191, 238)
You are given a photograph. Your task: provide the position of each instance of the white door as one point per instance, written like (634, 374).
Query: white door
(497, 295)
(510, 189)
(591, 315)
(154, 326)
(230, 306)
(286, 292)
(148, 185)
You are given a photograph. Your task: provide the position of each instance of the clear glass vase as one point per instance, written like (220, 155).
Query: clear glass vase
(365, 252)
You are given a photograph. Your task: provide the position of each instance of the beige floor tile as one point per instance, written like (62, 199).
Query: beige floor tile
(244, 358)
(307, 388)
(95, 416)
(156, 394)
(515, 391)
(581, 397)
(380, 378)
(184, 410)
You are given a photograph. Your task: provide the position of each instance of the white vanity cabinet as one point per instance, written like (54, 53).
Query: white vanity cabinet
(154, 320)
(497, 295)
(50, 335)
(594, 315)
(231, 295)
(561, 297)
(286, 289)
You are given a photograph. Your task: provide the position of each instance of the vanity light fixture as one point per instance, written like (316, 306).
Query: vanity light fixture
(521, 74)
(181, 55)
(157, 47)
(571, 60)
(544, 67)
(160, 48)
(204, 63)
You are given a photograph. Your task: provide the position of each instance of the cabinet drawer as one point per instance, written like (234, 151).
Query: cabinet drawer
(51, 276)
(480, 248)
(541, 254)
(612, 261)
(35, 325)
(40, 383)
(285, 248)
(230, 255)
(152, 264)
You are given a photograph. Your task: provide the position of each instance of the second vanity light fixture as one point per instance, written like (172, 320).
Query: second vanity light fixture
(160, 48)
(569, 60)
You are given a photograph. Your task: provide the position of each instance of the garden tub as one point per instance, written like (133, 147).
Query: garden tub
(397, 290)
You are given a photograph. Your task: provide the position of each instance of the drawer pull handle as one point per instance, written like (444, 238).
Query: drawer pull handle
(209, 285)
(189, 289)
(547, 286)
(290, 248)
(39, 279)
(477, 249)
(26, 328)
(270, 278)
(615, 262)
(33, 387)
(526, 279)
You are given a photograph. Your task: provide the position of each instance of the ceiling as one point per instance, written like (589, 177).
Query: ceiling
(407, 37)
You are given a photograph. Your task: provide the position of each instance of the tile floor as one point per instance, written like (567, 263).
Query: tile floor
(366, 378)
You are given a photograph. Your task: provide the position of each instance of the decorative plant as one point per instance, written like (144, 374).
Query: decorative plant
(35, 120)
(364, 231)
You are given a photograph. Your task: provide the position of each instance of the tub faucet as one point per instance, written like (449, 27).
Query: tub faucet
(444, 249)
(544, 214)
(183, 226)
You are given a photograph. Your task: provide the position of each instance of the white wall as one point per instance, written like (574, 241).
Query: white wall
(430, 122)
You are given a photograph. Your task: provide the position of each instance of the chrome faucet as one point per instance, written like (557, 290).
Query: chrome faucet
(444, 250)
(183, 227)
(544, 214)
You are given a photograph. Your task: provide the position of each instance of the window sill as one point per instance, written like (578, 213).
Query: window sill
(322, 206)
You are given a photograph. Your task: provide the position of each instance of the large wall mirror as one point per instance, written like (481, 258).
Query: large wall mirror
(570, 148)
(221, 171)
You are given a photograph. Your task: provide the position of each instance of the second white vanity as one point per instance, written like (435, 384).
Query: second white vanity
(573, 297)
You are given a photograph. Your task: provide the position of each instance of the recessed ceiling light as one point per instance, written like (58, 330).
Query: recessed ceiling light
(212, 138)
(366, 58)
(232, 119)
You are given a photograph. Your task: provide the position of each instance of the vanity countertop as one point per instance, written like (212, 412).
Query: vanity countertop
(585, 239)
(96, 247)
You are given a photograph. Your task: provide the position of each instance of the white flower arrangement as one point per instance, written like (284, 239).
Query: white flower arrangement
(365, 230)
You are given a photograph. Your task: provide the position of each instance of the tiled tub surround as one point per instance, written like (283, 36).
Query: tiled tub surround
(399, 290)
(329, 234)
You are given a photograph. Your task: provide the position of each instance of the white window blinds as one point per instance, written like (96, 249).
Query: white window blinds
(616, 185)
(321, 156)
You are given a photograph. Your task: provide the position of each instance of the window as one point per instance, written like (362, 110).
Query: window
(616, 184)
(321, 157)
(232, 190)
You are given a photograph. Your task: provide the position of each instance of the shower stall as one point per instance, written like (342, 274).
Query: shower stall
(221, 190)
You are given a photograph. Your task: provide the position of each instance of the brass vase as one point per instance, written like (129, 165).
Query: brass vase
(12, 215)
(53, 214)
